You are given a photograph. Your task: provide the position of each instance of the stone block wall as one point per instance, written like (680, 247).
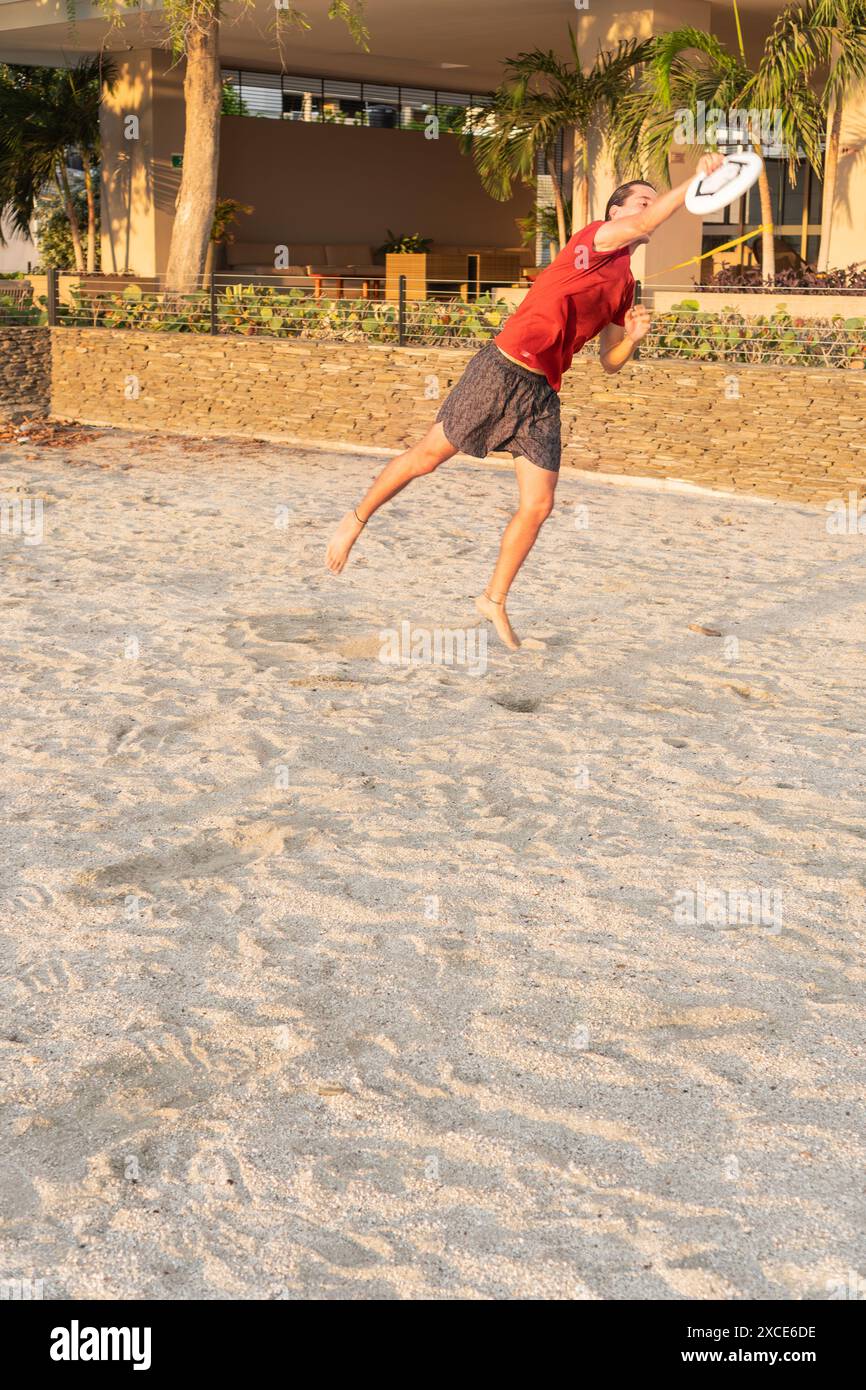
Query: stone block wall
(776, 432)
(25, 372)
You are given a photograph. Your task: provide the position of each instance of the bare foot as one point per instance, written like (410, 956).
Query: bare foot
(342, 541)
(496, 614)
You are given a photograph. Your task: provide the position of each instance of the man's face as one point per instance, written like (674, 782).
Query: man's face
(639, 199)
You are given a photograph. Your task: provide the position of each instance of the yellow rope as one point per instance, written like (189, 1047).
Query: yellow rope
(694, 260)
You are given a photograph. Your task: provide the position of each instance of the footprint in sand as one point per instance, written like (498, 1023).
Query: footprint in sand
(218, 853)
(520, 704)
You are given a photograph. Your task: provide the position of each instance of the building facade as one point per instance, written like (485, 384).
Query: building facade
(331, 143)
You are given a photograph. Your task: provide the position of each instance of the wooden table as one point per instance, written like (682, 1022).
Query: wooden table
(368, 282)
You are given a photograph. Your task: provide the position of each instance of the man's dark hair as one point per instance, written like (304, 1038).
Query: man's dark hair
(618, 197)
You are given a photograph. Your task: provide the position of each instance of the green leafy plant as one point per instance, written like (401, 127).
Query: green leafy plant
(853, 277)
(231, 102)
(414, 242)
(541, 99)
(684, 332)
(819, 44)
(778, 339)
(544, 220)
(690, 68)
(53, 232)
(258, 311)
(226, 213)
(21, 310)
(46, 116)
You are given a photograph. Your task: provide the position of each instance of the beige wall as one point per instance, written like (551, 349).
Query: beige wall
(333, 183)
(139, 186)
(848, 237)
(800, 306)
(17, 252)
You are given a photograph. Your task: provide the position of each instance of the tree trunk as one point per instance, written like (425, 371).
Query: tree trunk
(768, 239)
(74, 229)
(579, 183)
(831, 165)
(557, 199)
(91, 219)
(196, 199)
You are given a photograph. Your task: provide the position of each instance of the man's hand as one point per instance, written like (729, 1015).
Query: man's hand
(633, 229)
(709, 163)
(637, 322)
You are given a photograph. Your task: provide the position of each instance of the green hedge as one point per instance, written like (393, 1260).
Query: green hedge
(684, 332)
(255, 311)
(777, 339)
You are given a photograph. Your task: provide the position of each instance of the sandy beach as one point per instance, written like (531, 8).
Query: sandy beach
(332, 969)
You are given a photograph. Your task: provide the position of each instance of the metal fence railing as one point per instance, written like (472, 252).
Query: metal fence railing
(320, 305)
(410, 311)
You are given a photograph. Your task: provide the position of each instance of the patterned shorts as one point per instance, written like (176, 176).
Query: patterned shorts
(500, 406)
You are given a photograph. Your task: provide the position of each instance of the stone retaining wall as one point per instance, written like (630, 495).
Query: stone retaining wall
(790, 434)
(25, 372)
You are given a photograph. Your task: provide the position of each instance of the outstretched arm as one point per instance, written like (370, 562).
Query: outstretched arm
(616, 345)
(620, 231)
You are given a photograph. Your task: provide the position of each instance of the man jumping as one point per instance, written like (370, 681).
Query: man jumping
(508, 397)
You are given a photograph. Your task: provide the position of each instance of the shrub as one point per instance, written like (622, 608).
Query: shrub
(684, 332)
(777, 339)
(408, 242)
(14, 310)
(803, 278)
(254, 311)
(53, 236)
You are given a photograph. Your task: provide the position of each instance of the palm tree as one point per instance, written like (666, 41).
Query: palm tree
(194, 33)
(505, 151)
(689, 67)
(48, 115)
(541, 98)
(823, 41)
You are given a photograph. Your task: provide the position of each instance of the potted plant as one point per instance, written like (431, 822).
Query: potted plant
(414, 243)
(225, 215)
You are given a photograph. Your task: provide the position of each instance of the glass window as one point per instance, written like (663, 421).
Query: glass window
(261, 93)
(302, 98)
(453, 110)
(382, 105)
(416, 105)
(790, 258)
(343, 102)
(792, 198)
(231, 98)
(478, 112)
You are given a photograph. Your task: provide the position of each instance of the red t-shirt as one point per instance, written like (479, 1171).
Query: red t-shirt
(578, 295)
